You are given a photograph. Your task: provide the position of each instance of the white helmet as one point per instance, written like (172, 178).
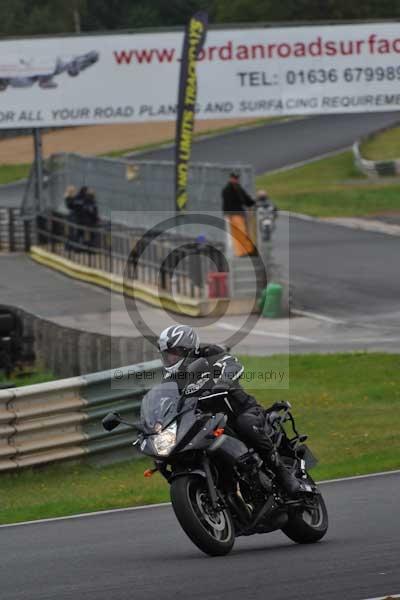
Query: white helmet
(175, 344)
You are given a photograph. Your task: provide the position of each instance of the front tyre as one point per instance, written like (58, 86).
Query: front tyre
(210, 530)
(308, 524)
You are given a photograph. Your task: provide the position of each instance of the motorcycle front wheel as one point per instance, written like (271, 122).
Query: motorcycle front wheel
(210, 530)
(308, 524)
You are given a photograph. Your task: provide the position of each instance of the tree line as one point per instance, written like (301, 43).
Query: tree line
(41, 17)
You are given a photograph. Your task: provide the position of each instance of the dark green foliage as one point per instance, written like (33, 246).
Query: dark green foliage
(29, 17)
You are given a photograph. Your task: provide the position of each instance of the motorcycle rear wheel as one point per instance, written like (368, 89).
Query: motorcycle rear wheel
(211, 531)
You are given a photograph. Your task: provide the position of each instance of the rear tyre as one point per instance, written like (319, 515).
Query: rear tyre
(308, 525)
(211, 531)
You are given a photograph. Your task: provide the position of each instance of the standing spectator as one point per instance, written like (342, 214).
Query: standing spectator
(234, 202)
(69, 199)
(91, 215)
(86, 214)
(79, 215)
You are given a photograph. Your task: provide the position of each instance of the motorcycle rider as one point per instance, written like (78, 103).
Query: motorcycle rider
(179, 346)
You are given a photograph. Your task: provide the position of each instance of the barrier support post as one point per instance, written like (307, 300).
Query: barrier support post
(38, 168)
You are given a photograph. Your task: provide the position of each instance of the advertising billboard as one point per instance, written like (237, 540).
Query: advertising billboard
(241, 73)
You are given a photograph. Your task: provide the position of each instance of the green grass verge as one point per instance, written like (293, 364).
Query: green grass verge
(331, 187)
(347, 403)
(10, 173)
(384, 146)
(26, 378)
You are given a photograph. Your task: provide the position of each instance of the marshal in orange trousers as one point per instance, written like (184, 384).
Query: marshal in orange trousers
(242, 244)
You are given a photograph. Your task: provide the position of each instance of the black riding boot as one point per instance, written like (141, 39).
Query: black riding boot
(250, 426)
(289, 483)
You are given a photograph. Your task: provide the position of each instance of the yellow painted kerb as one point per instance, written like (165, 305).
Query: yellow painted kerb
(186, 306)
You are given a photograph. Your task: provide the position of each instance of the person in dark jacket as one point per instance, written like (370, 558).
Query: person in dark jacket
(235, 200)
(89, 209)
(179, 346)
(86, 214)
(69, 199)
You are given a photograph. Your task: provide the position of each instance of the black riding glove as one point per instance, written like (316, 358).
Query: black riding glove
(221, 386)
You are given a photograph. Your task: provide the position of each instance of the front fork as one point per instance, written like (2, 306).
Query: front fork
(210, 482)
(205, 464)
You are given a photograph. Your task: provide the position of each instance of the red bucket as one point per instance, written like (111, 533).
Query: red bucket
(218, 285)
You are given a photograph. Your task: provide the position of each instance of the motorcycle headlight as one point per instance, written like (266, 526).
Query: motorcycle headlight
(166, 440)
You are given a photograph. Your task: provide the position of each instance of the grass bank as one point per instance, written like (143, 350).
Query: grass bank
(331, 187)
(385, 146)
(347, 403)
(26, 378)
(10, 173)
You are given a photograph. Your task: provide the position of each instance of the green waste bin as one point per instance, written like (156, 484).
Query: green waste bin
(271, 301)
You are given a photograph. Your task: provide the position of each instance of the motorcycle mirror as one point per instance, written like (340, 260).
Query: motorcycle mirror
(111, 421)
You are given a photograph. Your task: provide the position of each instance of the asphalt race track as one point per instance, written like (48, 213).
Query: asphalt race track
(342, 272)
(335, 270)
(279, 144)
(142, 555)
(269, 147)
(362, 266)
(11, 194)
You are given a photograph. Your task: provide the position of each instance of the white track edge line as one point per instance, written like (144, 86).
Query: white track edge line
(390, 596)
(163, 504)
(353, 477)
(317, 316)
(274, 334)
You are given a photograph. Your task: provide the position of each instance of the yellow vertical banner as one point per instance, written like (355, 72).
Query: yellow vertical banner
(193, 42)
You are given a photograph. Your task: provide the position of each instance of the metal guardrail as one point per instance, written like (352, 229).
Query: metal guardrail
(60, 420)
(15, 233)
(375, 168)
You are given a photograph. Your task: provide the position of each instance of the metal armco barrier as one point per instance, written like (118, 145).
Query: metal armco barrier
(375, 168)
(61, 420)
(15, 233)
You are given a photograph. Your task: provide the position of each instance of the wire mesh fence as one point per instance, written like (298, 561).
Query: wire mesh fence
(136, 188)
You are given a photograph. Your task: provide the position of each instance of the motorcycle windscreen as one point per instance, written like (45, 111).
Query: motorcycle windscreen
(310, 459)
(160, 406)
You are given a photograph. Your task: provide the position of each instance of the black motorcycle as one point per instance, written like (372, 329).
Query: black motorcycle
(221, 489)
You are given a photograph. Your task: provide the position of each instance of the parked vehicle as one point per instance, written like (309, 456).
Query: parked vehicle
(221, 489)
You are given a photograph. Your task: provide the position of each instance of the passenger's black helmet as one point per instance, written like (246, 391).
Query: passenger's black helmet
(176, 343)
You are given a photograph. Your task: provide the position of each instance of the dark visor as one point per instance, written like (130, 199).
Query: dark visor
(171, 356)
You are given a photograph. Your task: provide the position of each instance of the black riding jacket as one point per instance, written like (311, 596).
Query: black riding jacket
(235, 199)
(225, 369)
